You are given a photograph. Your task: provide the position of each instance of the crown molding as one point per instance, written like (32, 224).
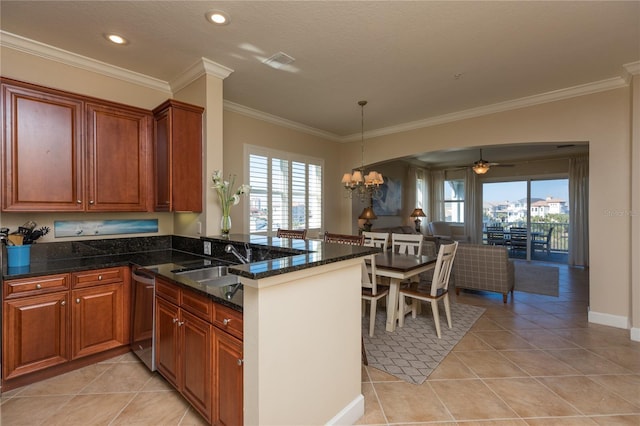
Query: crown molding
(198, 69)
(51, 53)
(279, 121)
(556, 95)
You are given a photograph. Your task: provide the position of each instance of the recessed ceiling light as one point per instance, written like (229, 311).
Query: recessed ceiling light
(115, 38)
(218, 17)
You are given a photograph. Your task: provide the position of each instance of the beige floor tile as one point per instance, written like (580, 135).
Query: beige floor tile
(545, 339)
(364, 374)
(91, 410)
(506, 422)
(529, 398)
(192, 418)
(470, 342)
(156, 383)
(587, 362)
(596, 336)
(68, 383)
(486, 323)
(539, 363)
(404, 402)
(562, 421)
(471, 400)
(452, 368)
(617, 420)
(120, 377)
(30, 411)
(626, 386)
(516, 323)
(624, 356)
(153, 408)
(380, 376)
(373, 414)
(490, 364)
(502, 340)
(588, 396)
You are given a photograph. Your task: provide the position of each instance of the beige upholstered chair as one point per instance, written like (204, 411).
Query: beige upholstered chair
(295, 234)
(485, 268)
(439, 289)
(407, 243)
(444, 233)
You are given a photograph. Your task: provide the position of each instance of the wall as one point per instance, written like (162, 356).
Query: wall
(604, 120)
(240, 130)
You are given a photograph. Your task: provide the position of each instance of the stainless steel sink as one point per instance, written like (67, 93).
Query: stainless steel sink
(215, 276)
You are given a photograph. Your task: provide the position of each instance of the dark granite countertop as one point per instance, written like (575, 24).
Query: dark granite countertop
(162, 255)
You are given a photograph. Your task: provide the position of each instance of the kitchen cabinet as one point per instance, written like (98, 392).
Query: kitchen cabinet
(53, 320)
(228, 388)
(177, 156)
(64, 152)
(100, 311)
(184, 348)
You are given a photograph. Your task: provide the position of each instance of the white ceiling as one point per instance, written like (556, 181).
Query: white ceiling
(412, 61)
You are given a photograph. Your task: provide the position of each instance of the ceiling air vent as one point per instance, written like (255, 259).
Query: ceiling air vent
(278, 60)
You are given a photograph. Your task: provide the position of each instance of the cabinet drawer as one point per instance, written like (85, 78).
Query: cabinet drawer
(97, 277)
(228, 320)
(198, 305)
(168, 291)
(35, 285)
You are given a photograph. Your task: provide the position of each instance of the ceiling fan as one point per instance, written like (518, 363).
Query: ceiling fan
(481, 166)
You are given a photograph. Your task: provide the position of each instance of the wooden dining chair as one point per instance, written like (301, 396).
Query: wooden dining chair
(355, 240)
(543, 244)
(407, 243)
(495, 236)
(376, 239)
(439, 289)
(518, 238)
(294, 234)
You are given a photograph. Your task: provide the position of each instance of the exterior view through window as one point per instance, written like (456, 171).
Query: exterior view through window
(540, 205)
(454, 200)
(286, 191)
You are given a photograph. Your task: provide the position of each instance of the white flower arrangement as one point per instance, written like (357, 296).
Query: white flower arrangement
(227, 195)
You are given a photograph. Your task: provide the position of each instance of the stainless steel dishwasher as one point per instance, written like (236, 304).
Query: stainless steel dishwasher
(143, 316)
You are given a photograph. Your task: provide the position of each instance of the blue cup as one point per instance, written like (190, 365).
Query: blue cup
(18, 255)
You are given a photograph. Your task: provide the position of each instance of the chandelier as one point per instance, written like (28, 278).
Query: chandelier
(365, 185)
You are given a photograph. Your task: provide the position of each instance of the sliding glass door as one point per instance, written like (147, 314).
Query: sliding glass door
(537, 207)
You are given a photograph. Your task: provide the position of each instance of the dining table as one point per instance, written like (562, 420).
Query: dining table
(399, 267)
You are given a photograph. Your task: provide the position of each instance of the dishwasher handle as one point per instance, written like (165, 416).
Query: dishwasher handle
(143, 277)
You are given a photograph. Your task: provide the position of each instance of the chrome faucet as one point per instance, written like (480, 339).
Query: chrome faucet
(243, 259)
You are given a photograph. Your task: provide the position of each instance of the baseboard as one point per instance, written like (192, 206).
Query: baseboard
(350, 414)
(635, 334)
(616, 321)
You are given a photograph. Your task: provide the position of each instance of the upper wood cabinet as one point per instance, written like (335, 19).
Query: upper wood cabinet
(178, 157)
(64, 152)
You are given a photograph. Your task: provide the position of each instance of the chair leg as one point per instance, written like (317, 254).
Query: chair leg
(415, 308)
(401, 309)
(372, 316)
(447, 309)
(436, 315)
(504, 297)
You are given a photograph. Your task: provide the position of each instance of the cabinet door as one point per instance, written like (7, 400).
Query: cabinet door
(117, 158)
(228, 391)
(196, 361)
(98, 319)
(42, 150)
(168, 341)
(34, 334)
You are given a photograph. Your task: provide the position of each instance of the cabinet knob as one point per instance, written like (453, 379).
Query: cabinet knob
(63, 303)
(91, 202)
(78, 300)
(38, 286)
(180, 323)
(226, 321)
(175, 320)
(240, 361)
(78, 201)
(99, 277)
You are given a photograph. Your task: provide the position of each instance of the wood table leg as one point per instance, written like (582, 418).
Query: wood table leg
(392, 304)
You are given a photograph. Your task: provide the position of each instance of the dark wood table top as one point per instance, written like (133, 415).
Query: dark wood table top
(402, 262)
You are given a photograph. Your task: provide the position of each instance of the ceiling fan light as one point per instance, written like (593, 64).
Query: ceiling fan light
(480, 167)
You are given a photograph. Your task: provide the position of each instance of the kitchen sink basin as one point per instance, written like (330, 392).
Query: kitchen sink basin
(214, 276)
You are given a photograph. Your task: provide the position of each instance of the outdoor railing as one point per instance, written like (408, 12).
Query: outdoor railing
(559, 236)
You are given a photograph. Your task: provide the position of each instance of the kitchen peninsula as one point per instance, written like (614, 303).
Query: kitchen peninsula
(300, 308)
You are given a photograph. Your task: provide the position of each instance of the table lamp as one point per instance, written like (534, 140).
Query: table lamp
(418, 213)
(367, 213)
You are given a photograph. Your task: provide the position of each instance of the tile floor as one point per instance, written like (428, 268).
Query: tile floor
(533, 361)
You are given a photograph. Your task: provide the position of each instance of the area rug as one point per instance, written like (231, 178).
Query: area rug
(412, 352)
(538, 279)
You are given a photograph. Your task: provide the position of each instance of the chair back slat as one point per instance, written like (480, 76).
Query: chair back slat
(355, 240)
(376, 239)
(407, 243)
(295, 234)
(442, 271)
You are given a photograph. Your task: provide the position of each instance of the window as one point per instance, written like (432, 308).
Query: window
(286, 191)
(454, 200)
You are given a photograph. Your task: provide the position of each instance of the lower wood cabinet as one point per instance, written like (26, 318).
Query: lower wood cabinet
(199, 359)
(51, 320)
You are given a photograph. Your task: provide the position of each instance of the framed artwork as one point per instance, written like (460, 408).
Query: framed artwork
(89, 228)
(390, 201)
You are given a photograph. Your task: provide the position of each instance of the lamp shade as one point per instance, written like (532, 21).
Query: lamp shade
(418, 213)
(367, 213)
